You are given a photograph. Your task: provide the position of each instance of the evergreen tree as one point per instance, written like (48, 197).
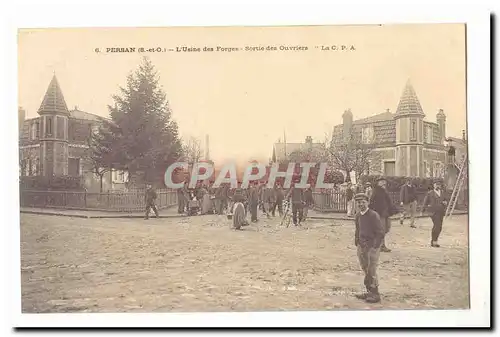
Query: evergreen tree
(146, 137)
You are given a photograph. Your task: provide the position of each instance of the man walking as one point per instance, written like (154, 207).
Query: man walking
(368, 238)
(437, 202)
(266, 198)
(253, 200)
(382, 204)
(278, 200)
(308, 202)
(297, 198)
(150, 201)
(349, 193)
(408, 197)
(182, 199)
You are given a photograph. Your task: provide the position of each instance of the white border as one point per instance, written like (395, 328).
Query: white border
(123, 13)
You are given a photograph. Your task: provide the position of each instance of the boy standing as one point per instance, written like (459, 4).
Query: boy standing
(368, 239)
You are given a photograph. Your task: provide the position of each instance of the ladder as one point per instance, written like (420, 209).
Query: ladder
(458, 187)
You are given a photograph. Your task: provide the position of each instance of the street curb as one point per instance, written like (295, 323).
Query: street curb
(134, 217)
(103, 216)
(57, 214)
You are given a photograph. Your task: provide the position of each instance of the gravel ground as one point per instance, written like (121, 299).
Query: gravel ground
(200, 264)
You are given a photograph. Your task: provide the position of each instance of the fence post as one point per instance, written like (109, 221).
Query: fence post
(85, 199)
(109, 195)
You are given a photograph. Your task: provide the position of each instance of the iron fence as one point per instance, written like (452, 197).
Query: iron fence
(130, 201)
(336, 201)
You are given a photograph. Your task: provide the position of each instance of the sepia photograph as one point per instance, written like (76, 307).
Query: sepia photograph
(244, 169)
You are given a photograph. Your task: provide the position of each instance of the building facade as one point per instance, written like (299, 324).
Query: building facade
(403, 143)
(56, 142)
(283, 150)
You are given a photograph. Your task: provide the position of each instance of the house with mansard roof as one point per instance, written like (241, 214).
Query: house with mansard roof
(55, 143)
(404, 143)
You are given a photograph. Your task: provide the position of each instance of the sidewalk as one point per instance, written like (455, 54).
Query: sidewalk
(165, 213)
(343, 216)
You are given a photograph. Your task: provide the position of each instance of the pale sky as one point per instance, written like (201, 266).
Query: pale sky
(245, 100)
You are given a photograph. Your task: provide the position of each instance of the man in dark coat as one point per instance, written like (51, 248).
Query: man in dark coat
(368, 238)
(150, 197)
(408, 198)
(297, 199)
(182, 198)
(437, 203)
(308, 202)
(279, 196)
(253, 200)
(382, 204)
(350, 200)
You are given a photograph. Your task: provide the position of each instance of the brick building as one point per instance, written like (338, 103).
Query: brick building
(404, 143)
(55, 143)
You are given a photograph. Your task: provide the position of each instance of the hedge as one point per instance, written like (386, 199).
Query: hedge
(394, 183)
(55, 183)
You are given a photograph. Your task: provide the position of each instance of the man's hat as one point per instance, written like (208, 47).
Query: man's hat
(361, 196)
(368, 183)
(437, 182)
(381, 179)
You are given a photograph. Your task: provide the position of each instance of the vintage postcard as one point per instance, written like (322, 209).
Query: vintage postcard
(243, 169)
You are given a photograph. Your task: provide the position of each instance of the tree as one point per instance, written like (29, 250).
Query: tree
(351, 155)
(191, 150)
(146, 138)
(102, 154)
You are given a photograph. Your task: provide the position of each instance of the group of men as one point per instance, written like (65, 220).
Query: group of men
(372, 222)
(257, 196)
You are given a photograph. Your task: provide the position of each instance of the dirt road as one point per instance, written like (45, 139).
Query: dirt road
(199, 264)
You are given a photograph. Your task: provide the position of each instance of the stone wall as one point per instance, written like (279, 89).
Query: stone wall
(413, 161)
(48, 160)
(60, 127)
(61, 158)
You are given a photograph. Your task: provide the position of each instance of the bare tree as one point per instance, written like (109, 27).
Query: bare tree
(351, 155)
(191, 150)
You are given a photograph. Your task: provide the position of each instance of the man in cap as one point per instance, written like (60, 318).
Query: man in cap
(279, 196)
(368, 240)
(408, 197)
(381, 203)
(437, 202)
(253, 201)
(297, 199)
(308, 202)
(350, 200)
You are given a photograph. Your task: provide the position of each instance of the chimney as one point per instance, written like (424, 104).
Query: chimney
(21, 115)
